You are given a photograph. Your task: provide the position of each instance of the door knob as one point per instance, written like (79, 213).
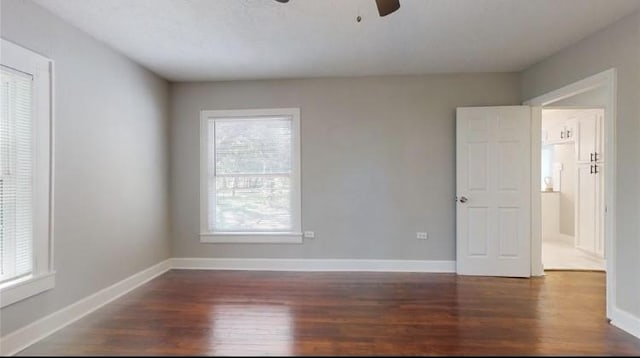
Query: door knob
(463, 199)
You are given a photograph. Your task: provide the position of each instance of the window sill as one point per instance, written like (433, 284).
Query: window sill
(251, 238)
(17, 290)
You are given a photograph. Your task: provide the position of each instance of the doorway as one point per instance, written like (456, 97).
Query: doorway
(597, 91)
(572, 165)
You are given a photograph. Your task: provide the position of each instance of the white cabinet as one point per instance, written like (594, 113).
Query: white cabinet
(553, 133)
(588, 138)
(588, 223)
(569, 130)
(557, 129)
(550, 213)
(589, 191)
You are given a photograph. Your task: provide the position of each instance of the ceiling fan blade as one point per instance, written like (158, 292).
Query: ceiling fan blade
(385, 7)
(283, 1)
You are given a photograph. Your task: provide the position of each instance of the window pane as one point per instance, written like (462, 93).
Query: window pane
(16, 174)
(260, 146)
(547, 164)
(251, 203)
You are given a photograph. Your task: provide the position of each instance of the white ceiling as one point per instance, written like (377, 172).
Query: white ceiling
(186, 40)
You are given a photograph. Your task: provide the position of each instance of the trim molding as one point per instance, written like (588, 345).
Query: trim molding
(313, 265)
(25, 288)
(626, 321)
(207, 202)
(28, 335)
(608, 80)
(251, 238)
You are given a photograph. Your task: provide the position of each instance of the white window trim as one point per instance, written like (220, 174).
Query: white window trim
(294, 236)
(42, 277)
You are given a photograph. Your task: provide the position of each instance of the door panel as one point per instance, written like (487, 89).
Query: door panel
(477, 164)
(493, 174)
(508, 165)
(508, 219)
(478, 231)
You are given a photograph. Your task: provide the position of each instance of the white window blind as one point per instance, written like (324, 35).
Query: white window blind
(250, 174)
(16, 180)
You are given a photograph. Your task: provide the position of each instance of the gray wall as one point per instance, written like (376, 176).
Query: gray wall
(111, 154)
(378, 161)
(616, 46)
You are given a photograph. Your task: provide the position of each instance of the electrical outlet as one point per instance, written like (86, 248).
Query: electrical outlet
(421, 235)
(309, 234)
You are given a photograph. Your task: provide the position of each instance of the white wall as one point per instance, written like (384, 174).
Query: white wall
(565, 155)
(111, 157)
(378, 161)
(617, 46)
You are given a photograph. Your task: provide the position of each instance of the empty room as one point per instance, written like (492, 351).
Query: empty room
(319, 177)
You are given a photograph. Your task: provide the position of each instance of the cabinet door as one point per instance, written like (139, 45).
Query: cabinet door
(554, 132)
(599, 210)
(586, 208)
(587, 130)
(570, 130)
(558, 131)
(601, 167)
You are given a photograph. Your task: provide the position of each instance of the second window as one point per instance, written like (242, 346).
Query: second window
(250, 175)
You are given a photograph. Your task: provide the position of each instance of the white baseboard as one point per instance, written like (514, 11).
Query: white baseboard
(313, 265)
(26, 336)
(626, 321)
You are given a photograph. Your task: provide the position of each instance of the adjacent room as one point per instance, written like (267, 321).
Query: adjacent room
(319, 177)
(572, 193)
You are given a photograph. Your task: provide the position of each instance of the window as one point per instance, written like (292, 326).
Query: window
(25, 167)
(250, 176)
(547, 164)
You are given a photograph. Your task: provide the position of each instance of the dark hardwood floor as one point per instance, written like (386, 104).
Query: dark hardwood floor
(296, 313)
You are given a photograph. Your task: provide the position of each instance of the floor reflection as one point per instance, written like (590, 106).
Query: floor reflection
(505, 315)
(248, 313)
(251, 329)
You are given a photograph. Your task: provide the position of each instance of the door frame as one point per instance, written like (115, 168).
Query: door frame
(607, 80)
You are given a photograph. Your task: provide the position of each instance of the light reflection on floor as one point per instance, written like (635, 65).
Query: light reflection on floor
(251, 329)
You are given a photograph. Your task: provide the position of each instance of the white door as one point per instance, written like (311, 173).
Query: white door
(493, 189)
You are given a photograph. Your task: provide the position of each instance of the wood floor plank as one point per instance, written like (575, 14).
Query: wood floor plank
(199, 312)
